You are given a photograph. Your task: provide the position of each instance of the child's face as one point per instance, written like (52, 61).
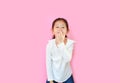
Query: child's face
(59, 26)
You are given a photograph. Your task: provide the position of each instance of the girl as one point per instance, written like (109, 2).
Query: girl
(59, 53)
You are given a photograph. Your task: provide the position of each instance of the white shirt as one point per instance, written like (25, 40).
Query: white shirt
(58, 60)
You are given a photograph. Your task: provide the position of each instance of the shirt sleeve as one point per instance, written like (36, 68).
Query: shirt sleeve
(49, 63)
(66, 52)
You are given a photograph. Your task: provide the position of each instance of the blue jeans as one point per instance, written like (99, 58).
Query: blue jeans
(69, 80)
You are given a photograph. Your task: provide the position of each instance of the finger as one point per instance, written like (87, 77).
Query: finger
(62, 34)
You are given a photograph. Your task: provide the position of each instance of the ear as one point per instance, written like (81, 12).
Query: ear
(52, 31)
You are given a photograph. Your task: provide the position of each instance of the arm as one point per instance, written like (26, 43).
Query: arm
(49, 63)
(66, 51)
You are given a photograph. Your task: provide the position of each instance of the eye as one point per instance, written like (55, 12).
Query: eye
(62, 27)
(57, 27)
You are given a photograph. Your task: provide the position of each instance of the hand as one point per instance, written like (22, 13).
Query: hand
(60, 37)
(51, 81)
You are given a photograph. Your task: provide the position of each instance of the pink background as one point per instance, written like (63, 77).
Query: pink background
(25, 27)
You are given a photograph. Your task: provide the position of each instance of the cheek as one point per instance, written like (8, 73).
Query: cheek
(65, 31)
(55, 32)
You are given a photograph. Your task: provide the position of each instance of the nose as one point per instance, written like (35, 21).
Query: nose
(59, 29)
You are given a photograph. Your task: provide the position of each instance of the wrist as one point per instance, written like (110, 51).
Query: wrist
(51, 81)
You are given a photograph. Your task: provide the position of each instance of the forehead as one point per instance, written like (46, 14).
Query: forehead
(60, 23)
